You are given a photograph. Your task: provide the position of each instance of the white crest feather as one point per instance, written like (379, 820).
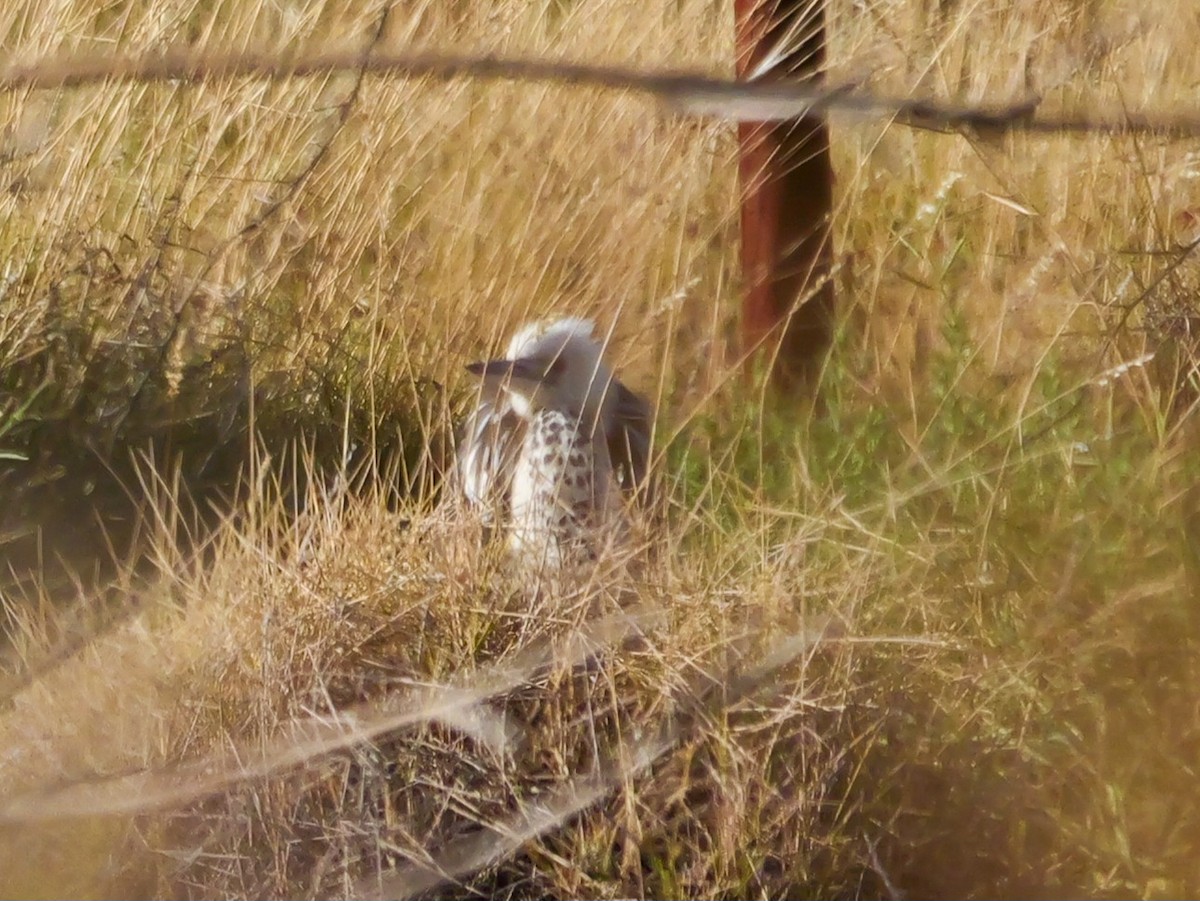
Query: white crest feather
(537, 336)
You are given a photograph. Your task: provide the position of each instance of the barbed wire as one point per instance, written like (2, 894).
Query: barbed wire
(686, 93)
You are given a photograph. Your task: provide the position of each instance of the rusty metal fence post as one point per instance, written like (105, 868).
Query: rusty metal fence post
(786, 180)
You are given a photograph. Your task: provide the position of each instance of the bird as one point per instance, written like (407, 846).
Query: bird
(554, 445)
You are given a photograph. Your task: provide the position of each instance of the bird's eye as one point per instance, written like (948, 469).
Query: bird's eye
(556, 367)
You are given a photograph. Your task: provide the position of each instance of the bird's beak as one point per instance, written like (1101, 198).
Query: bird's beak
(524, 370)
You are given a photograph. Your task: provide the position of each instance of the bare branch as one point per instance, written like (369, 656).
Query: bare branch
(686, 93)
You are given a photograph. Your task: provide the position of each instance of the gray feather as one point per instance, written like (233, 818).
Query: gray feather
(629, 439)
(488, 444)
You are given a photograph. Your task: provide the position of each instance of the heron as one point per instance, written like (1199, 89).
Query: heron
(554, 445)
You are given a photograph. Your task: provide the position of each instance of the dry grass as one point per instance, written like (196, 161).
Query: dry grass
(936, 638)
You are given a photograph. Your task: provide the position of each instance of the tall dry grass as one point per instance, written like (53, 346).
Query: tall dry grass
(934, 637)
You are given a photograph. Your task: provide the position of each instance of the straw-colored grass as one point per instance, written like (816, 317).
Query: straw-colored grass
(933, 635)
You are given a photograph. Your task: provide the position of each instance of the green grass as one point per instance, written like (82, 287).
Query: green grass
(1036, 742)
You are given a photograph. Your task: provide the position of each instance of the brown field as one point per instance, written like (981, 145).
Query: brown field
(935, 635)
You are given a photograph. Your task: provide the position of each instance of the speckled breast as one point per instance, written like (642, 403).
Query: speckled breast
(559, 491)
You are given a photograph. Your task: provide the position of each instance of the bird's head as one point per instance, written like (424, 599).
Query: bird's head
(554, 366)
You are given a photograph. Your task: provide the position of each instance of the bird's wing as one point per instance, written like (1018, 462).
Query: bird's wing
(629, 439)
(488, 444)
